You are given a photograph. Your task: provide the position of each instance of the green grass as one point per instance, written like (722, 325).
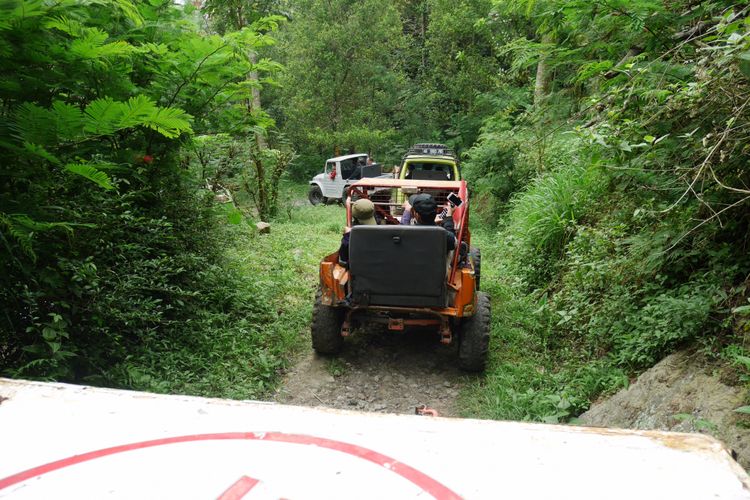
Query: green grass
(531, 375)
(240, 349)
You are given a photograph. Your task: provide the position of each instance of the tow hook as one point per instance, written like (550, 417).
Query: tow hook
(425, 412)
(445, 332)
(396, 324)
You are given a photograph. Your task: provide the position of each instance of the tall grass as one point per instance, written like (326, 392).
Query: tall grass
(543, 218)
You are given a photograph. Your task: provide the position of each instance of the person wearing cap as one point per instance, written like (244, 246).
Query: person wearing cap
(363, 213)
(421, 209)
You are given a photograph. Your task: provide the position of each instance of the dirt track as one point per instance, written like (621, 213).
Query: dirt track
(379, 371)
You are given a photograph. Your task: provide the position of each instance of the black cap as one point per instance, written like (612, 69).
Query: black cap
(424, 204)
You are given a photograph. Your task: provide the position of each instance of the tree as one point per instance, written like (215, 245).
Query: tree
(341, 79)
(101, 234)
(236, 15)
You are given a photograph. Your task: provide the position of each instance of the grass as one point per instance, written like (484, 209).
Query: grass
(240, 347)
(530, 375)
(284, 265)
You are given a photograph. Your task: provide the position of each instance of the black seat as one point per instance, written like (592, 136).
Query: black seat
(398, 265)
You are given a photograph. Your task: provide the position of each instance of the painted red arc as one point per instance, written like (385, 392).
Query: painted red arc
(419, 479)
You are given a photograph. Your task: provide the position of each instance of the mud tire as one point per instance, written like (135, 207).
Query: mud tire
(476, 258)
(326, 328)
(474, 340)
(315, 195)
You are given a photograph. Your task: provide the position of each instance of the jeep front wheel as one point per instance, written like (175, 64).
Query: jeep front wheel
(474, 341)
(326, 328)
(315, 195)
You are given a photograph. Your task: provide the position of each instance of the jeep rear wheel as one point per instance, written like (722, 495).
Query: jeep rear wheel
(315, 195)
(474, 341)
(476, 258)
(326, 328)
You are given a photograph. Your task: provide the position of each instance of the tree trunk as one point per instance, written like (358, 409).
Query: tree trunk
(254, 104)
(541, 85)
(424, 38)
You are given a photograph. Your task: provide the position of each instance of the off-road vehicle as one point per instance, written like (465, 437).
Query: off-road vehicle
(338, 174)
(434, 162)
(404, 275)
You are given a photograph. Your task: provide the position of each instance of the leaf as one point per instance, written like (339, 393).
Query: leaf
(741, 310)
(41, 152)
(743, 360)
(91, 173)
(49, 334)
(34, 124)
(743, 409)
(92, 46)
(131, 11)
(106, 116)
(137, 111)
(649, 138)
(170, 122)
(68, 120)
(22, 228)
(66, 25)
(234, 217)
(102, 116)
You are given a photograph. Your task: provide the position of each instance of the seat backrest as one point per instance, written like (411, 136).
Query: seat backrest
(398, 265)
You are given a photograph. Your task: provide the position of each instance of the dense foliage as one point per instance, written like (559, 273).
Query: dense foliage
(605, 143)
(112, 267)
(620, 197)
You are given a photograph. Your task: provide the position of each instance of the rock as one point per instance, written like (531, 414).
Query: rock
(263, 227)
(680, 393)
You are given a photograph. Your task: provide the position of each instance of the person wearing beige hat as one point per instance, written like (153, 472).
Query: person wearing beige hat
(363, 213)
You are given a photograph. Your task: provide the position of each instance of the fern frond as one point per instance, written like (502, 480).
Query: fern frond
(105, 116)
(21, 235)
(34, 124)
(102, 116)
(66, 25)
(136, 111)
(131, 11)
(170, 122)
(90, 172)
(68, 120)
(13, 11)
(39, 151)
(22, 229)
(91, 45)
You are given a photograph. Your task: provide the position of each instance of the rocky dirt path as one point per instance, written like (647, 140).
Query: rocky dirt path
(379, 371)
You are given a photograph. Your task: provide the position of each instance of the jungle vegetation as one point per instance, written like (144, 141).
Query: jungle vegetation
(606, 143)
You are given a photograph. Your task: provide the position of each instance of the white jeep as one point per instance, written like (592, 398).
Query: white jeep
(340, 172)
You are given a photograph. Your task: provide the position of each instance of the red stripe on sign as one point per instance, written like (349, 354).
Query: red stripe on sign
(419, 479)
(239, 489)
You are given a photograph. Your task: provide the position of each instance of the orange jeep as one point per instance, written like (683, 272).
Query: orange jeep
(404, 275)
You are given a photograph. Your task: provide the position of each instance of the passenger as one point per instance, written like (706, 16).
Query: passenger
(420, 209)
(363, 213)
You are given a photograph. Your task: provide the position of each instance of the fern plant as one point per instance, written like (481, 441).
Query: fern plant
(96, 100)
